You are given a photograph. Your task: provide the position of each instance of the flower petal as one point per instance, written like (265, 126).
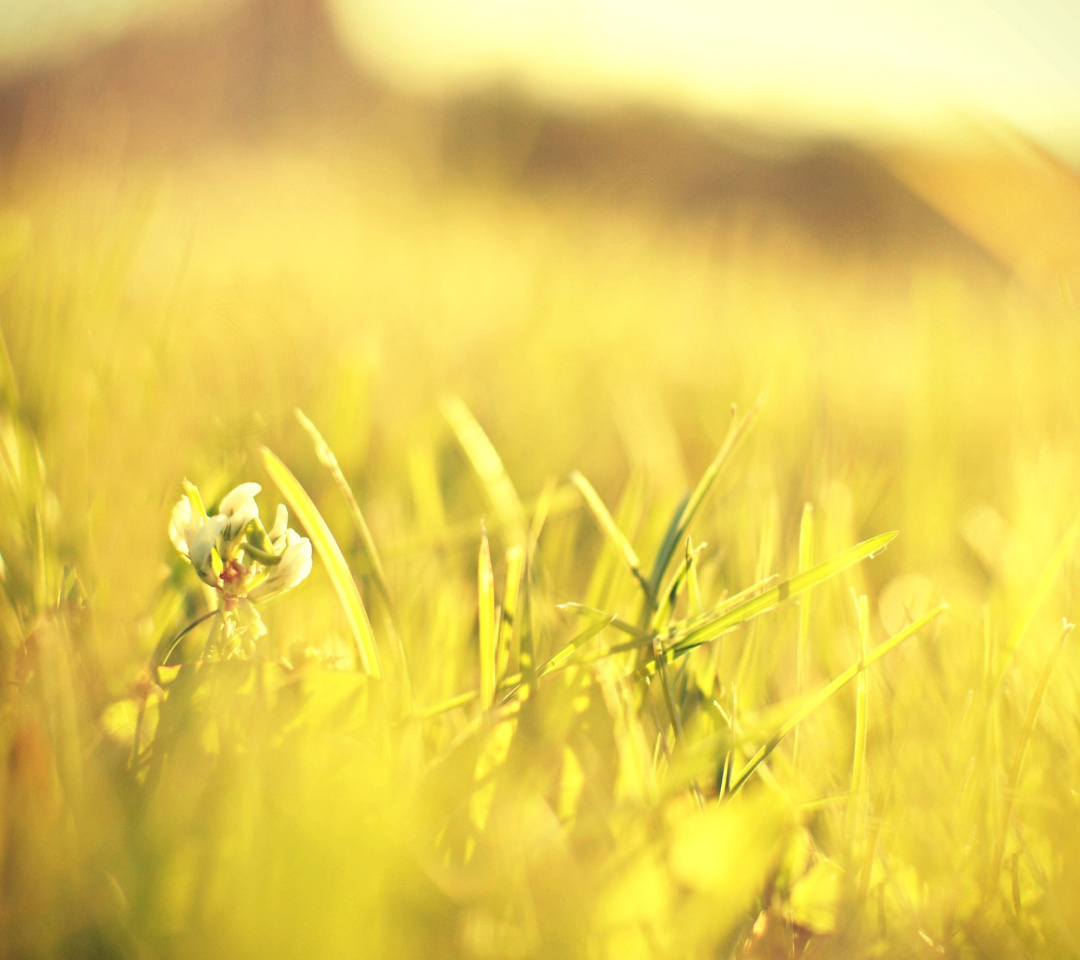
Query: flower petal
(281, 525)
(237, 497)
(202, 546)
(294, 566)
(239, 519)
(182, 526)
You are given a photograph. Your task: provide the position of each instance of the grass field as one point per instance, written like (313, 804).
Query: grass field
(520, 388)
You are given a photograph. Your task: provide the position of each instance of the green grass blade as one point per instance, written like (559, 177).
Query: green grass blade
(669, 544)
(806, 562)
(798, 584)
(666, 600)
(485, 592)
(610, 529)
(515, 567)
(830, 689)
(367, 654)
(802, 647)
(541, 511)
(327, 458)
(1038, 595)
(858, 764)
(489, 468)
(444, 706)
(738, 429)
(560, 658)
(592, 613)
(1011, 785)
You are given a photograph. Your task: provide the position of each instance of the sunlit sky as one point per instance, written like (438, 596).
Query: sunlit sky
(881, 68)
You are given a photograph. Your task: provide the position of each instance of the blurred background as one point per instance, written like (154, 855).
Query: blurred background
(599, 224)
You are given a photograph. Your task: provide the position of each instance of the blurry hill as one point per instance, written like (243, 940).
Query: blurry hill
(273, 69)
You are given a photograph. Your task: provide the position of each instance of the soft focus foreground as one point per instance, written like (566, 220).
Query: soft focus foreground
(466, 326)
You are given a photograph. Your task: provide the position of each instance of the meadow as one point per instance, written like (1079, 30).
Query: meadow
(632, 666)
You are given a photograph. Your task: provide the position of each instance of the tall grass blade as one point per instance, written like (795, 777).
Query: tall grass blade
(611, 530)
(485, 593)
(328, 459)
(1038, 595)
(515, 565)
(694, 603)
(858, 764)
(669, 544)
(806, 562)
(665, 602)
(830, 689)
(1013, 782)
(738, 429)
(367, 653)
(541, 511)
(489, 468)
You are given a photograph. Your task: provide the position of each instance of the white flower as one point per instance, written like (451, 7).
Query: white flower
(232, 552)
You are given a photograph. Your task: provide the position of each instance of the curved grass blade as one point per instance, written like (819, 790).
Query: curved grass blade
(738, 429)
(541, 510)
(327, 458)
(487, 628)
(798, 584)
(485, 460)
(611, 530)
(560, 658)
(592, 613)
(827, 691)
(156, 661)
(670, 542)
(367, 654)
(515, 567)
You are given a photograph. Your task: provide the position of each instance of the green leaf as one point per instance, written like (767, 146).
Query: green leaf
(367, 654)
(610, 528)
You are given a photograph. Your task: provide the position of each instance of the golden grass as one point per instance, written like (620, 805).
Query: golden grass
(165, 321)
